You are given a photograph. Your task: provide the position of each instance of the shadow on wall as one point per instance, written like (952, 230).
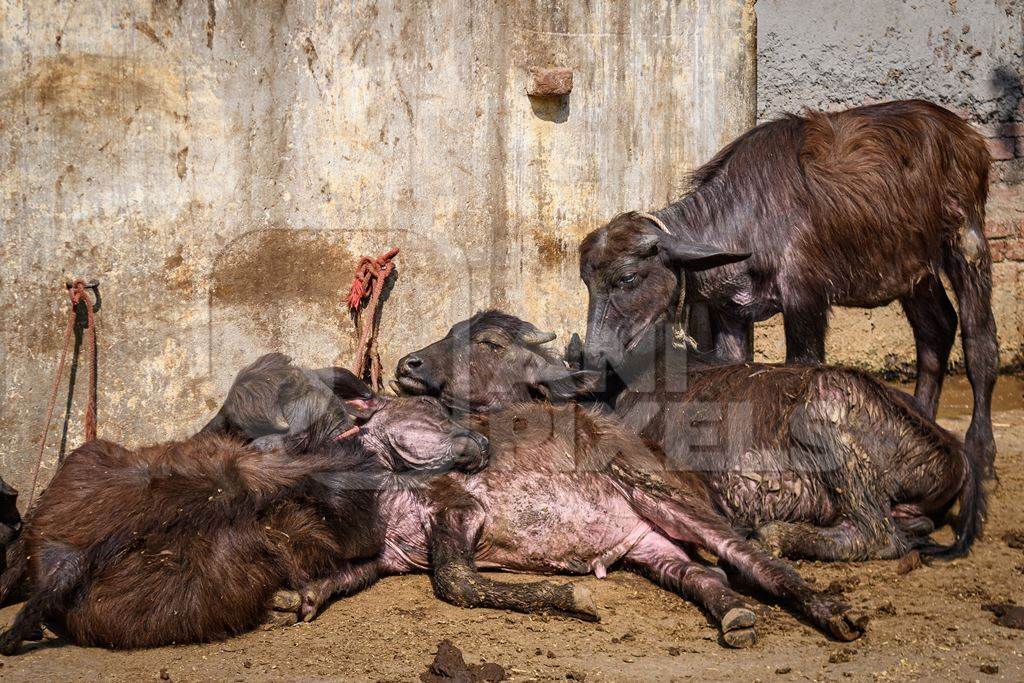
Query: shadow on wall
(554, 108)
(1006, 80)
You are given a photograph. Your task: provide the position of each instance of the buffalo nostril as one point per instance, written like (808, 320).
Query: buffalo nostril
(412, 362)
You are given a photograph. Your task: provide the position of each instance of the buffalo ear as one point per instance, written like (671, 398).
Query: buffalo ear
(471, 451)
(574, 352)
(268, 361)
(554, 382)
(694, 257)
(362, 409)
(344, 383)
(218, 424)
(278, 423)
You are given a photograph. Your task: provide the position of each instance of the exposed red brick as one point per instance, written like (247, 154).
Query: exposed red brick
(1004, 212)
(995, 229)
(1007, 250)
(1004, 148)
(549, 82)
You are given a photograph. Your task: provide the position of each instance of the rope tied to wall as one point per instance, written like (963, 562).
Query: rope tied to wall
(365, 292)
(81, 314)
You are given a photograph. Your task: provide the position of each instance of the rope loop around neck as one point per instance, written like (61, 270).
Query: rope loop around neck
(654, 219)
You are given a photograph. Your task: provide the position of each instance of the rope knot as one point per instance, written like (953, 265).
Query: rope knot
(369, 271)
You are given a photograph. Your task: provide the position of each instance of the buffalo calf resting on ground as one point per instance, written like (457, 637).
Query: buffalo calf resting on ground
(821, 463)
(189, 541)
(570, 491)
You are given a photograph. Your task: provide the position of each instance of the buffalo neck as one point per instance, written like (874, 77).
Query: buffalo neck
(710, 210)
(659, 363)
(688, 216)
(738, 188)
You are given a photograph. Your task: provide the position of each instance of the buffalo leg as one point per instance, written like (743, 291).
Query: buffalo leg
(14, 581)
(15, 576)
(734, 337)
(291, 606)
(843, 542)
(694, 521)
(805, 325)
(972, 282)
(64, 569)
(667, 564)
(933, 320)
(453, 540)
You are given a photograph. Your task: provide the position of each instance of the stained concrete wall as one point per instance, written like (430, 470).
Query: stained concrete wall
(220, 166)
(965, 55)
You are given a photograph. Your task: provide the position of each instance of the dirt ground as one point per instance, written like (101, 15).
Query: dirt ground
(926, 624)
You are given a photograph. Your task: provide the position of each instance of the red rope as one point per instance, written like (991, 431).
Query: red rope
(367, 285)
(78, 294)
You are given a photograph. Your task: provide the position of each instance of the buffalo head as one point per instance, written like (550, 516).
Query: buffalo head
(488, 362)
(633, 271)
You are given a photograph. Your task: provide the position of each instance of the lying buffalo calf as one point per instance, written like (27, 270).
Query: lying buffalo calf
(486, 363)
(821, 463)
(270, 401)
(572, 492)
(188, 541)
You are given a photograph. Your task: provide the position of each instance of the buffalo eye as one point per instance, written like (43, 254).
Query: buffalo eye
(627, 280)
(490, 344)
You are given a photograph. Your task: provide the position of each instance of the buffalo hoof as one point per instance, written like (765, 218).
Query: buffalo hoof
(285, 610)
(277, 619)
(585, 607)
(738, 627)
(848, 625)
(286, 601)
(770, 535)
(298, 605)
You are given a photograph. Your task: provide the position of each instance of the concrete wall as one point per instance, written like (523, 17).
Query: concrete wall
(220, 166)
(967, 55)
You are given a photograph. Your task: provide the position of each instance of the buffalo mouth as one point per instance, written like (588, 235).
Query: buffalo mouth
(414, 386)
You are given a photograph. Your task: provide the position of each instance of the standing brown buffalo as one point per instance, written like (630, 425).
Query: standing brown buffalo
(857, 208)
